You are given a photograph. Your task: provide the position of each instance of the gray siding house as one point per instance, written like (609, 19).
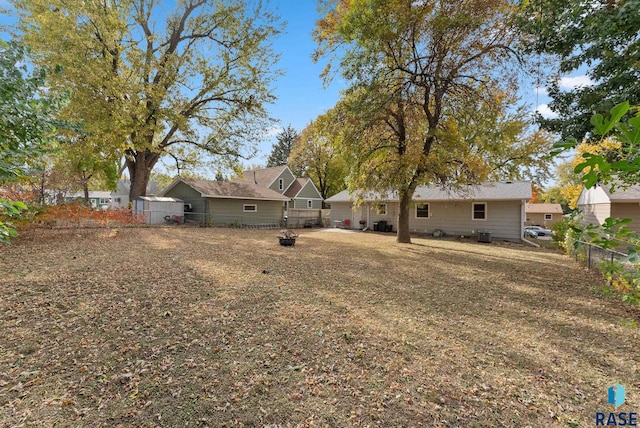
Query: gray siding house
(302, 193)
(498, 208)
(227, 203)
(599, 203)
(120, 197)
(304, 202)
(278, 178)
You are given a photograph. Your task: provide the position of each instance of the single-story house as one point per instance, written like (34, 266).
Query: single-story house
(545, 215)
(227, 203)
(497, 208)
(97, 198)
(599, 203)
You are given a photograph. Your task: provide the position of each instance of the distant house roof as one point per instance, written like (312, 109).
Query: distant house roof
(124, 185)
(543, 209)
(508, 190)
(159, 199)
(602, 194)
(630, 194)
(234, 189)
(263, 177)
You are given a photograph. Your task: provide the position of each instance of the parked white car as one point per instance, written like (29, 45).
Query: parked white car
(537, 231)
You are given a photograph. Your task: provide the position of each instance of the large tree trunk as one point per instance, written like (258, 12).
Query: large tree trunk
(404, 237)
(85, 190)
(140, 165)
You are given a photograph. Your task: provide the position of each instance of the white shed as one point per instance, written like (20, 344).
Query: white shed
(154, 209)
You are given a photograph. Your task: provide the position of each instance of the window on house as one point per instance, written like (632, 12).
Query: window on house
(422, 210)
(104, 201)
(249, 208)
(479, 211)
(382, 209)
(309, 203)
(548, 216)
(281, 184)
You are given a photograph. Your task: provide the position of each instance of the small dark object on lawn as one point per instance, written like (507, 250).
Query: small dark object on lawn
(265, 271)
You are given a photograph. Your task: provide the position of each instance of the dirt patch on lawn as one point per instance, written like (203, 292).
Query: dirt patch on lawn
(219, 327)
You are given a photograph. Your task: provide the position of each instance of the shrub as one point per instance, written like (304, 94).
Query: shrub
(77, 214)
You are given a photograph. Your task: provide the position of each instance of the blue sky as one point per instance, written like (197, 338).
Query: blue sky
(300, 92)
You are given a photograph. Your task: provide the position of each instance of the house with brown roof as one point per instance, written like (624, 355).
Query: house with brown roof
(228, 203)
(601, 202)
(495, 209)
(545, 215)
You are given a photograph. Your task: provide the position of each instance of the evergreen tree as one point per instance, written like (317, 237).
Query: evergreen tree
(282, 149)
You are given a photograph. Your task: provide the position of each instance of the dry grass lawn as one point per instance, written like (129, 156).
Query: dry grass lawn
(177, 327)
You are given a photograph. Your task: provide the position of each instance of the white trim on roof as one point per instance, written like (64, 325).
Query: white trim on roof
(279, 176)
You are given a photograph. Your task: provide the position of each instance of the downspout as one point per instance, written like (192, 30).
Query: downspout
(368, 212)
(523, 219)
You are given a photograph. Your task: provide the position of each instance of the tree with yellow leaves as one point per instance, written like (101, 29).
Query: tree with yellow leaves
(418, 72)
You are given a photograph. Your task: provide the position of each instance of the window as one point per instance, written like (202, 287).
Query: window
(281, 184)
(548, 216)
(104, 201)
(479, 211)
(309, 203)
(422, 210)
(250, 208)
(382, 209)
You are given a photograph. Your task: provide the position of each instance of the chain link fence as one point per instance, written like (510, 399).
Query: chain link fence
(593, 255)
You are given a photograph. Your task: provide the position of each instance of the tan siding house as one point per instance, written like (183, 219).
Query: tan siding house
(600, 203)
(545, 215)
(497, 208)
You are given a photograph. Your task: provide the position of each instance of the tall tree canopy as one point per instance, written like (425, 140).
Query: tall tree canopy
(315, 155)
(148, 81)
(410, 66)
(26, 123)
(599, 35)
(282, 148)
